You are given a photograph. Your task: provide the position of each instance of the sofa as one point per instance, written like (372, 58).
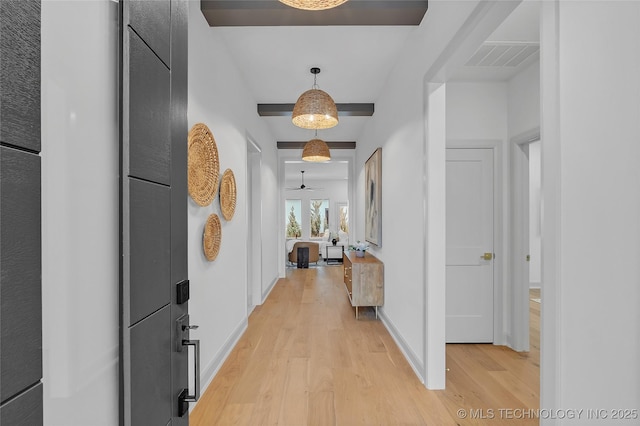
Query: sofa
(314, 251)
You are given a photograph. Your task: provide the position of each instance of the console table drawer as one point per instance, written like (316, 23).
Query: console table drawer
(364, 280)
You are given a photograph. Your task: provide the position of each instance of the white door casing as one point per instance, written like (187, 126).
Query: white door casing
(254, 225)
(518, 339)
(470, 246)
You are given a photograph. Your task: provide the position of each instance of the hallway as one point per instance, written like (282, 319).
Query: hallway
(305, 360)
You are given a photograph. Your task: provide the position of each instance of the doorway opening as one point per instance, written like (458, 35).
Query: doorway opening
(527, 250)
(526, 227)
(254, 225)
(470, 100)
(535, 243)
(325, 192)
(535, 216)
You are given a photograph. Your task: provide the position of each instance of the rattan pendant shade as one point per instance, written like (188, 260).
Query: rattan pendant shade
(315, 109)
(313, 4)
(316, 150)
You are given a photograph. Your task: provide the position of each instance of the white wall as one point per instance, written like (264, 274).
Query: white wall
(80, 212)
(218, 98)
(524, 100)
(398, 127)
(591, 232)
(476, 111)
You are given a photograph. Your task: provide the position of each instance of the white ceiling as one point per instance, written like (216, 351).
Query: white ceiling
(355, 62)
(275, 63)
(314, 172)
(512, 47)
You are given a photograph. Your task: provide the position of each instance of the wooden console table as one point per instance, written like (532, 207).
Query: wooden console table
(364, 280)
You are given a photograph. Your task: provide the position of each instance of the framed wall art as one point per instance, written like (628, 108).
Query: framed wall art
(373, 198)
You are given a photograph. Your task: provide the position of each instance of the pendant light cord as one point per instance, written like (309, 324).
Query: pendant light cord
(315, 71)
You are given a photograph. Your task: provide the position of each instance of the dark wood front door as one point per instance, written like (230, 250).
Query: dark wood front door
(154, 321)
(20, 215)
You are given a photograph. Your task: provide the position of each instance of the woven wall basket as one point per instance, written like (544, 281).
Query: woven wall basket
(212, 237)
(203, 165)
(228, 194)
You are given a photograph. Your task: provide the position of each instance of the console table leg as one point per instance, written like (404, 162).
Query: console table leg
(356, 312)
(376, 312)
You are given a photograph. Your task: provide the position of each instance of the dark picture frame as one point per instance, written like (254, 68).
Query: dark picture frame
(373, 198)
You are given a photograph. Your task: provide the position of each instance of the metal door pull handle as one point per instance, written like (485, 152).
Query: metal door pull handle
(185, 398)
(196, 363)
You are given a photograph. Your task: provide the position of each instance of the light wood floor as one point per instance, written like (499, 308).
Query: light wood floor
(305, 360)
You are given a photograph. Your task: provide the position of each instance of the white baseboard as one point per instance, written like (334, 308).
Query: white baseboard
(213, 367)
(410, 356)
(267, 291)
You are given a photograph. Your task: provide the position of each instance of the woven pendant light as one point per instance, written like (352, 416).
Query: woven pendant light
(315, 109)
(313, 4)
(316, 150)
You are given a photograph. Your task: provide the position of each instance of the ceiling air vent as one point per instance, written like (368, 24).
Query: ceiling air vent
(503, 54)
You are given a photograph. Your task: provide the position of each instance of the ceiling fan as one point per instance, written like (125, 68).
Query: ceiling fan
(302, 185)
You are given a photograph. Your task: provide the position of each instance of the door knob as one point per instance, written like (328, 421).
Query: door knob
(528, 258)
(487, 256)
(182, 331)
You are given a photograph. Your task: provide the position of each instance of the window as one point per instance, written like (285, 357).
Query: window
(294, 218)
(319, 217)
(343, 218)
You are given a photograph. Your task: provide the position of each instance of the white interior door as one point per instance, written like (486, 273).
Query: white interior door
(469, 263)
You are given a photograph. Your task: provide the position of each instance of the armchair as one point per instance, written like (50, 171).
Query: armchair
(314, 251)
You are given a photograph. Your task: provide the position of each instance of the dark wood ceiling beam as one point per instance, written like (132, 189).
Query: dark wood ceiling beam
(332, 145)
(220, 13)
(344, 110)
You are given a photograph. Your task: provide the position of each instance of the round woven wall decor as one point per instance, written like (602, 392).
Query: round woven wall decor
(203, 165)
(228, 194)
(212, 237)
